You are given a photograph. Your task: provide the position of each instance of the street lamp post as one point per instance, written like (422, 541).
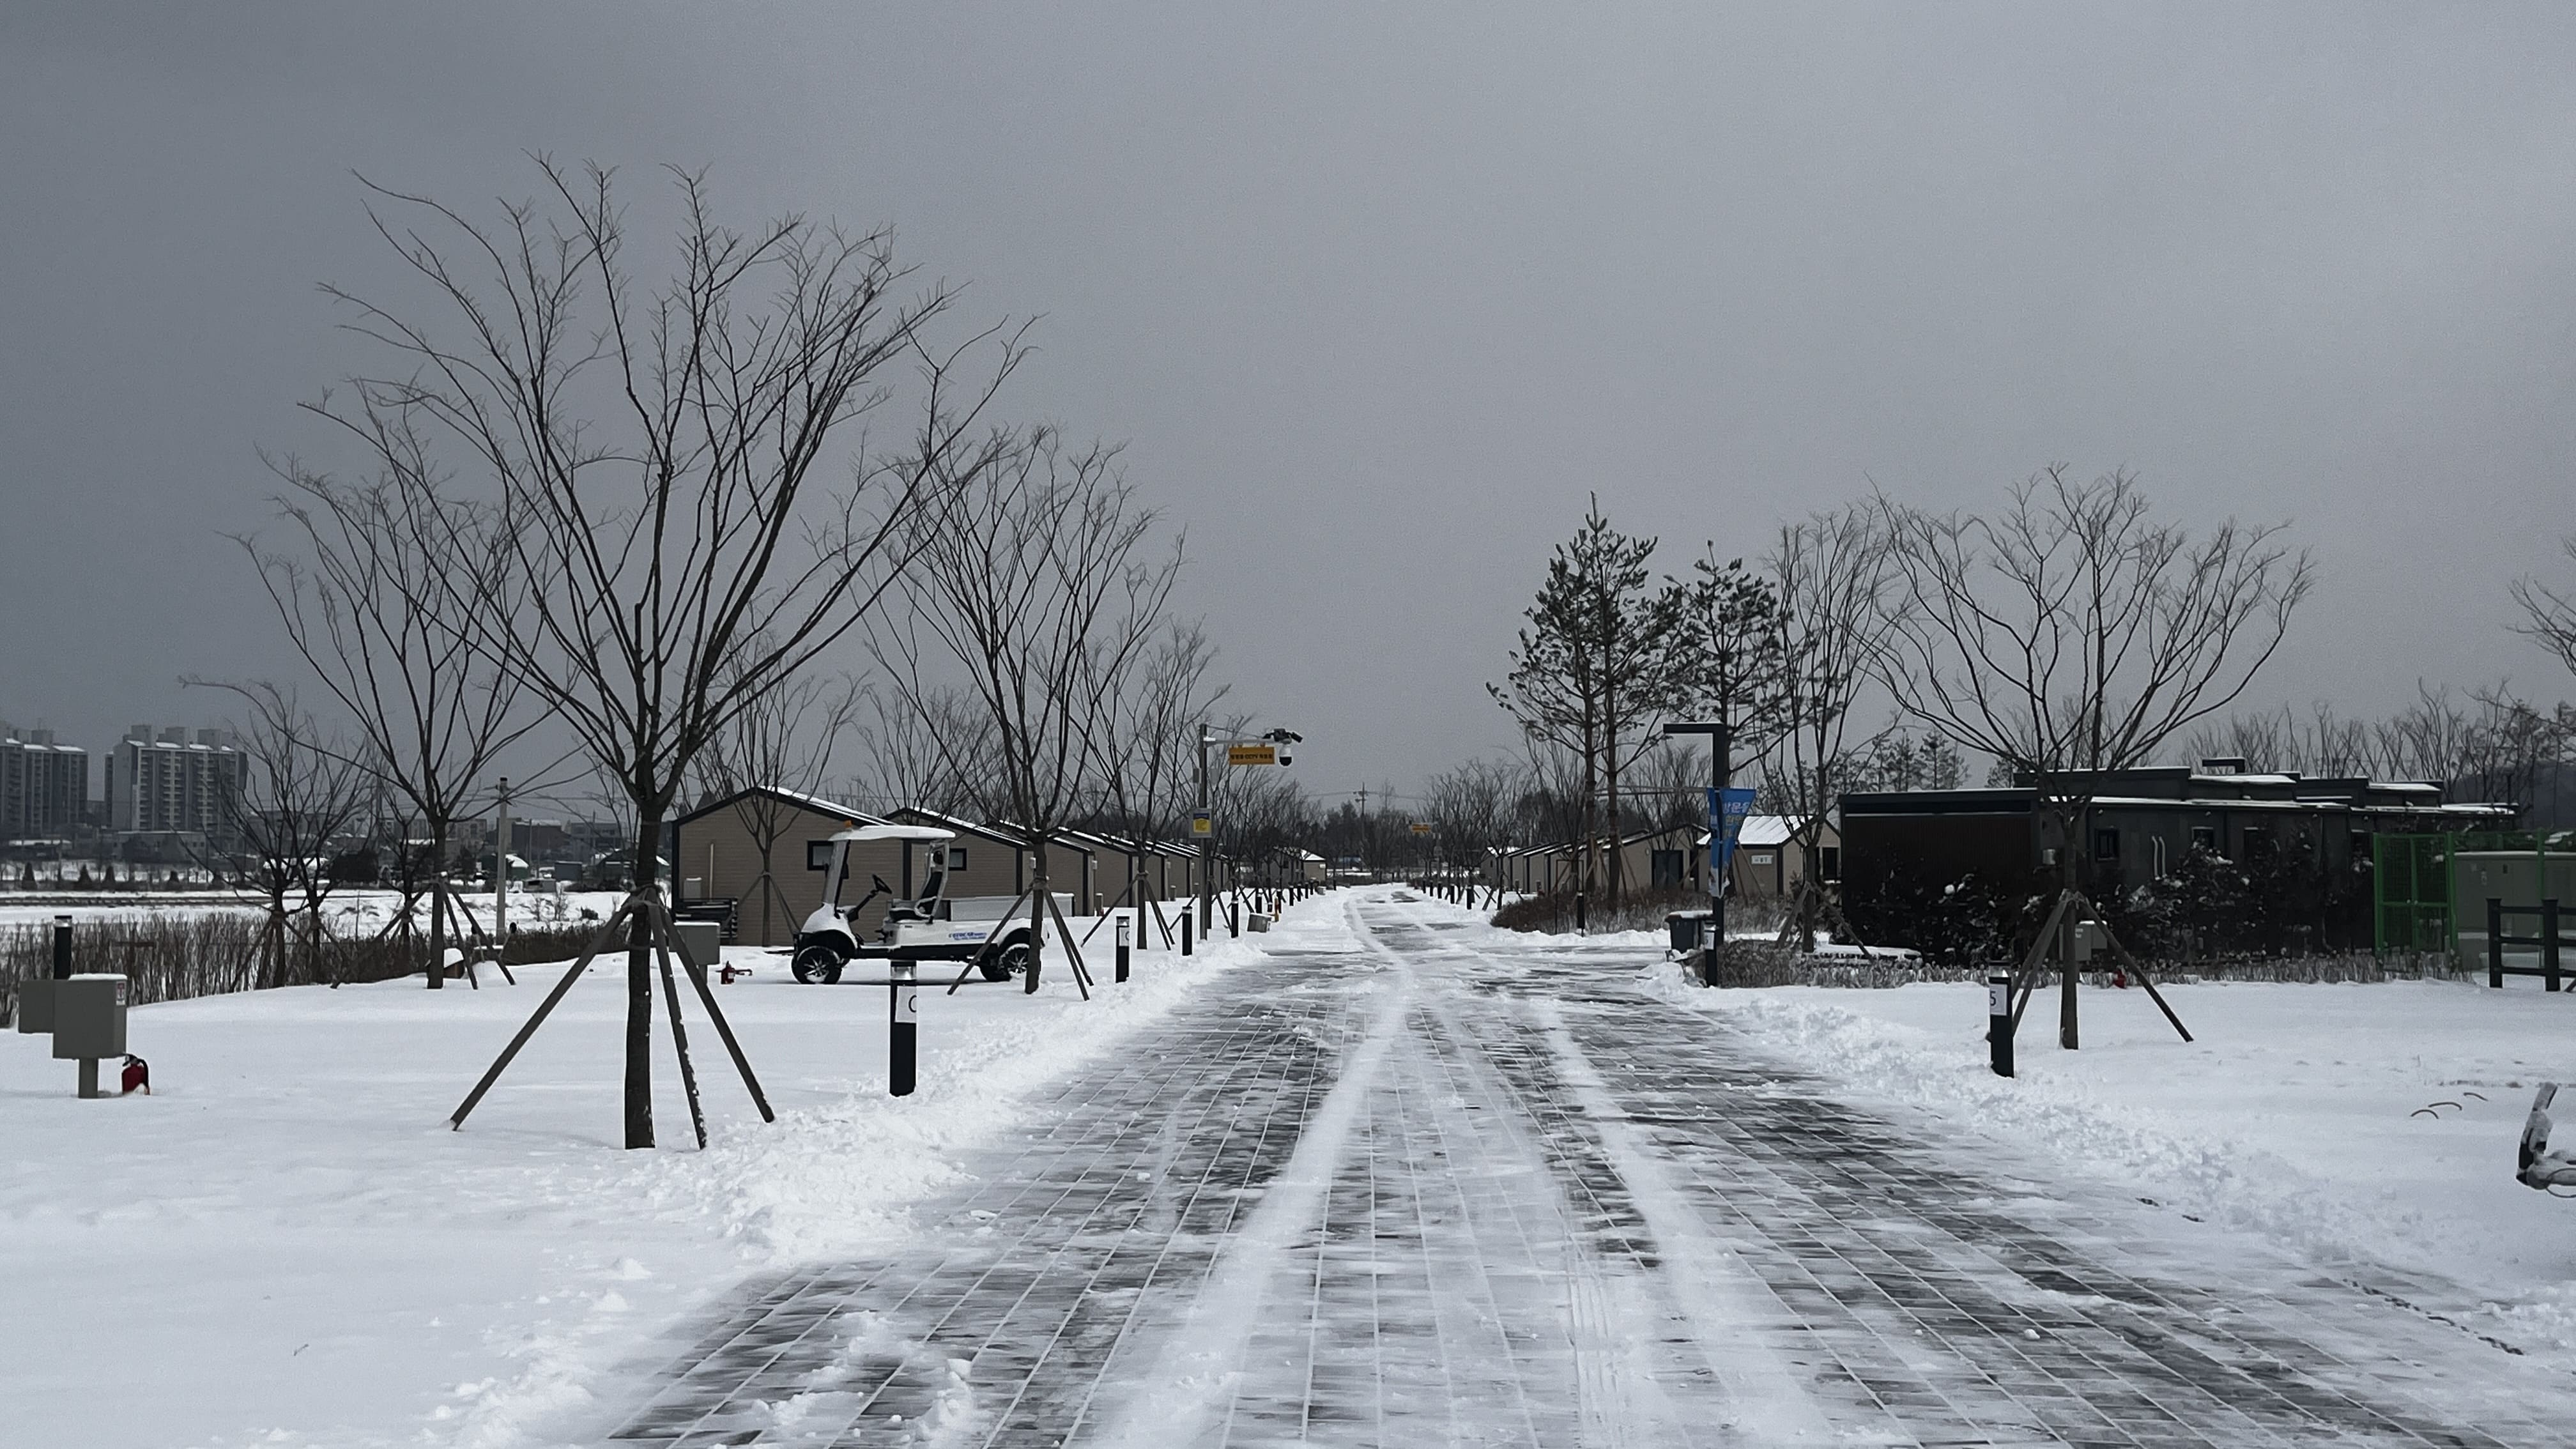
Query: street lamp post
(1721, 765)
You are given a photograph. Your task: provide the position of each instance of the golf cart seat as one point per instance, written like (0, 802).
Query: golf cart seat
(924, 909)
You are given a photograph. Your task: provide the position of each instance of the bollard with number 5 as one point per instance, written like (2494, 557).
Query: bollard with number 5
(1999, 1027)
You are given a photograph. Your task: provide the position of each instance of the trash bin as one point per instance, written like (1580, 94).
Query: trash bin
(1686, 927)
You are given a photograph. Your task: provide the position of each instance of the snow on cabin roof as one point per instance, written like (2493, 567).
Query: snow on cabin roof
(816, 802)
(1762, 832)
(1766, 830)
(798, 798)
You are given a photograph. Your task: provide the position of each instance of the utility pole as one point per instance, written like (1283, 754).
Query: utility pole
(500, 869)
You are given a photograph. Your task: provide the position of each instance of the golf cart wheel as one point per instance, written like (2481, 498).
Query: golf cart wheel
(1009, 961)
(818, 963)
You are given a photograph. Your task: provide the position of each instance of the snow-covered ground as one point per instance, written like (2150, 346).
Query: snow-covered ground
(2298, 1112)
(286, 1246)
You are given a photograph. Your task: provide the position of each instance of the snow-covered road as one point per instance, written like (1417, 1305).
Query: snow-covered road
(1406, 1182)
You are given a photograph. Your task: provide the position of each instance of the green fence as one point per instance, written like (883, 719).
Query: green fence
(2410, 888)
(2415, 881)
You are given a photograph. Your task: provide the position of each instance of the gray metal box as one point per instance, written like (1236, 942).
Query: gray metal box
(705, 940)
(36, 1005)
(89, 1016)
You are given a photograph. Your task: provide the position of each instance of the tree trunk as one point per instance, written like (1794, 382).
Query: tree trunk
(437, 904)
(646, 876)
(1037, 911)
(1610, 801)
(273, 971)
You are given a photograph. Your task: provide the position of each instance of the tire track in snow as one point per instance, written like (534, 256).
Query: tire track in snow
(1199, 1362)
(1696, 1284)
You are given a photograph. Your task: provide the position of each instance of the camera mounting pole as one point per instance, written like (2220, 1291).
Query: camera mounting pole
(1265, 749)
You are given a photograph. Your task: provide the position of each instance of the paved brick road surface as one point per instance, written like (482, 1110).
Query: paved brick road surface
(1390, 1190)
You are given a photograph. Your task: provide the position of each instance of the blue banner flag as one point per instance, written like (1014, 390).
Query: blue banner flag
(1727, 808)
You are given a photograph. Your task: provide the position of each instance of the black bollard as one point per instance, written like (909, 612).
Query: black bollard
(1186, 923)
(902, 1032)
(62, 947)
(1124, 922)
(1999, 1020)
(1233, 921)
(1578, 911)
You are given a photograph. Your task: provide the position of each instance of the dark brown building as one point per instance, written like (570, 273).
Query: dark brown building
(1903, 850)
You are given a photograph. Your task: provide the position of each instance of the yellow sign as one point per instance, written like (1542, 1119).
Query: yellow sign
(1422, 827)
(1201, 823)
(1252, 754)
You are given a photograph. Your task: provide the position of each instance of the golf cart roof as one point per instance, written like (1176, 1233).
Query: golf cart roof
(895, 832)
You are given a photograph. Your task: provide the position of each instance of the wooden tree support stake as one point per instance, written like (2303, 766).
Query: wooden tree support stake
(616, 918)
(662, 939)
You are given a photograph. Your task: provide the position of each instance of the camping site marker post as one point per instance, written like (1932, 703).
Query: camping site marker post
(903, 1032)
(1186, 917)
(63, 946)
(1123, 923)
(1999, 1026)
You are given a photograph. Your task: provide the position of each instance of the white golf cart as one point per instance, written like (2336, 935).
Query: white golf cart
(924, 928)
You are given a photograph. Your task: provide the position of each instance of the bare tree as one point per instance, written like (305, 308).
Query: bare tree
(1144, 739)
(303, 794)
(1831, 575)
(652, 452)
(2549, 613)
(1468, 805)
(1669, 786)
(2322, 743)
(917, 752)
(365, 606)
(2072, 635)
(781, 741)
(1039, 588)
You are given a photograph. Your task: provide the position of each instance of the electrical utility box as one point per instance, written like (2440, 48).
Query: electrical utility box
(89, 1017)
(705, 942)
(36, 1005)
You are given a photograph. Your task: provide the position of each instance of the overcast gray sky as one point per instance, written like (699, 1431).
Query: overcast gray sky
(1377, 294)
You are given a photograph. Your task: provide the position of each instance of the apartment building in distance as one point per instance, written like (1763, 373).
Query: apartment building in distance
(171, 782)
(44, 786)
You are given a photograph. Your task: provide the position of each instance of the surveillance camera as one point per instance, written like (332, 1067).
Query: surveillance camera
(1286, 758)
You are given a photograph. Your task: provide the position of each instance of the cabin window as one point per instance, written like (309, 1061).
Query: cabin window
(2106, 843)
(956, 857)
(1666, 866)
(2204, 838)
(818, 855)
(1829, 863)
